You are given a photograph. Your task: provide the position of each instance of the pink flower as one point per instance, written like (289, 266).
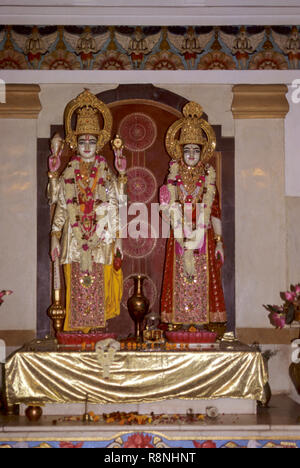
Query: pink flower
(101, 181)
(100, 159)
(85, 247)
(77, 174)
(290, 296)
(278, 320)
(88, 207)
(93, 172)
(5, 293)
(297, 289)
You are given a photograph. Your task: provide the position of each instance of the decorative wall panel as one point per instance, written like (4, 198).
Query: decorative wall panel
(149, 48)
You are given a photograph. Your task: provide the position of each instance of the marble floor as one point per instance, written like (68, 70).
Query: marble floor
(281, 421)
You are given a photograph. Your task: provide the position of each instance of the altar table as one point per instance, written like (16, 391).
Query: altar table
(42, 377)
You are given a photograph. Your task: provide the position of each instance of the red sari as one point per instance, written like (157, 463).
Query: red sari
(195, 302)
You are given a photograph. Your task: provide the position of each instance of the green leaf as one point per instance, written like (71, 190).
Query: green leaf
(290, 315)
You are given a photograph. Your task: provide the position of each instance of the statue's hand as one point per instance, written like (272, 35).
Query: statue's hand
(120, 162)
(164, 195)
(56, 152)
(119, 247)
(219, 252)
(55, 248)
(54, 162)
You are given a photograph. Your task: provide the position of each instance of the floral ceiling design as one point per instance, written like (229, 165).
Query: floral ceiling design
(149, 48)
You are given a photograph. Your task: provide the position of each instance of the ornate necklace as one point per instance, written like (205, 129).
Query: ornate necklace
(191, 182)
(85, 171)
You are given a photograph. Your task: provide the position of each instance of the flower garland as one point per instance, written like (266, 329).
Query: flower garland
(81, 206)
(208, 183)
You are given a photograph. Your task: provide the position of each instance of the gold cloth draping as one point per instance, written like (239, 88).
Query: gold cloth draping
(67, 377)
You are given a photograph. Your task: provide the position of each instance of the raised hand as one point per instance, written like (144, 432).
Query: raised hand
(164, 195)
(120, 159)
(219, 252)
(55, 248)
(56, 152)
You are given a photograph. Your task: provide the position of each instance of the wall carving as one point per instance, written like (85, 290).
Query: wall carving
(149, 48)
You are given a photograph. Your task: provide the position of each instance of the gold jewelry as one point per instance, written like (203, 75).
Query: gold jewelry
(88, 108)
(123, 179)
(56, 234)
(53, 175)
(194, 130)
(85, 171)
(190, 177)
(218, 238)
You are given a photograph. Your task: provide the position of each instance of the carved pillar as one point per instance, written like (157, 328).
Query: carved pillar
(259, 112)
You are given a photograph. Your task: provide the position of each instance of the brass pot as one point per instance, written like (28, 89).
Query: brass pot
(138, 306)
(34, 413)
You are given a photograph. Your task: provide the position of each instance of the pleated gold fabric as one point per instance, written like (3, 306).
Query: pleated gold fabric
(38, 378)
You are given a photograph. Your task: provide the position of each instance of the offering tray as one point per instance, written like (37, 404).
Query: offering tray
(78, 338)
(191, 337)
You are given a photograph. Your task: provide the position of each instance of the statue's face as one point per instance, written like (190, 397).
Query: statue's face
(87, 146)
(191, 155)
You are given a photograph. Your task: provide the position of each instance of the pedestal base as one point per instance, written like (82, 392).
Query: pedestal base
(224, 406)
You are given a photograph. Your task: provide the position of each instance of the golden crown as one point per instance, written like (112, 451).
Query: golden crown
(88, 108)
(193, 130)
(87, 122)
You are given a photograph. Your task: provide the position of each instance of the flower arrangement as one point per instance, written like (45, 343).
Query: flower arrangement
(289, 311)
(4, 293)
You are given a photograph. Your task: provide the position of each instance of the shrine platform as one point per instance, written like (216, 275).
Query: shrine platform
(276, 426)
(231, 378)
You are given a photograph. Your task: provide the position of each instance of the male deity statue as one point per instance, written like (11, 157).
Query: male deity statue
(86, 194)
(192, 289)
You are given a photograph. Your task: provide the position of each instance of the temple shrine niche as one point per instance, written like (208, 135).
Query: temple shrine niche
(107, 275)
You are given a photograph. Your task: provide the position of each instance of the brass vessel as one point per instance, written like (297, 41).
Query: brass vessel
(34, 413)
(57, 313)
(138, 306)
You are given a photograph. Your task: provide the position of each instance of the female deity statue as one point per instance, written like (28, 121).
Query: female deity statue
(192, 289)
(86, 194)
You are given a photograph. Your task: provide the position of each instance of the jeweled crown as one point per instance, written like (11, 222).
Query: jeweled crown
(87, 122)
(89, 110)
(191, 132)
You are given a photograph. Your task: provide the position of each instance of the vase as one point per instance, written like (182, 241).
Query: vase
(138, 306)
(34, 413)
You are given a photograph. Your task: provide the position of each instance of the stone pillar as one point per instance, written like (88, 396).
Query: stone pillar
(18, 134)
